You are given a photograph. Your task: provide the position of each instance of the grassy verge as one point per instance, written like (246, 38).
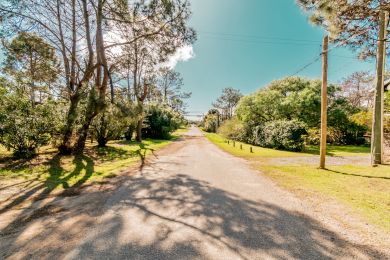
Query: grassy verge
(365, 189)
(62, 172)
(245, 151)
(265, 152)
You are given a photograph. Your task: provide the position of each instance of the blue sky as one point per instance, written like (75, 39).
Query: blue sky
(245, 44)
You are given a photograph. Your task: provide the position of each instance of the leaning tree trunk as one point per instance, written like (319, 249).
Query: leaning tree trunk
(94, 107)
(66, 145)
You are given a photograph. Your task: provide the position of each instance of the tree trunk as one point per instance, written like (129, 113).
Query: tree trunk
(139, 130)
(83, 133)
(66, 145)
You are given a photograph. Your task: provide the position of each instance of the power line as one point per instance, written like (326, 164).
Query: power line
(307, 65)
(317, 57)
(258, 37)
(258, 41)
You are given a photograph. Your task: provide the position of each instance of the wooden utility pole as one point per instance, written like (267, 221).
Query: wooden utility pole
(324, 101)
(377, 122)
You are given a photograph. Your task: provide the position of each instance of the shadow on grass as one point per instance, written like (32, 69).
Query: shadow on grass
(70, 181)
(360, 175)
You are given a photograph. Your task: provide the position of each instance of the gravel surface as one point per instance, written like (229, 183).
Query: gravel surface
(198, 202)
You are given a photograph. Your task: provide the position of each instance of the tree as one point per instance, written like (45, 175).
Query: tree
(358, 89)
(24, 127)
(32, 62)
(87, 35)
(170, 83)
(228, 101)
(298, 99)
(353, 23)
(211, 121)
(142, 57)
(363, 26)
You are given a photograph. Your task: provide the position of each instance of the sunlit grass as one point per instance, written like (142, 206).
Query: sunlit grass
(309, 150)
(62, 172)
(364, 188)
(257, 151)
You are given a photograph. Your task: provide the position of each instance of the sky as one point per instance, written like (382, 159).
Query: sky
(245, 44)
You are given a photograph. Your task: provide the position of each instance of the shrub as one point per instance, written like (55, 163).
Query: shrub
(281, 134)
(24, 127)
(160, 122)
(113, 123)
(232, 129)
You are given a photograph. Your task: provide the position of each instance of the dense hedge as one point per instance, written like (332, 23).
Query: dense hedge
(160, 122)
(281, 134)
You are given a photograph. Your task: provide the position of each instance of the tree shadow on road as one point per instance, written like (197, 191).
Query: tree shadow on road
(247, 229)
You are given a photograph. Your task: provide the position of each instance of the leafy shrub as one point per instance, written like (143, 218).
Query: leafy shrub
(232, 129)
(24, 127)
(210, 122)
(160, 122)
(281, 134)
(113, 123)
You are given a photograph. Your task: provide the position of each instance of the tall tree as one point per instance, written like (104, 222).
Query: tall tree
(353, 23)
(32, 62)
(228, 101)
(357, 88)
(86, 33)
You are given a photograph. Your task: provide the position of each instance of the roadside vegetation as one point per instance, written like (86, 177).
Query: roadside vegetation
(57, 173)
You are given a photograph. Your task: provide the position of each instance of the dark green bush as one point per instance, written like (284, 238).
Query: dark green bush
(281, 134)
(24, 127)
(159, 122)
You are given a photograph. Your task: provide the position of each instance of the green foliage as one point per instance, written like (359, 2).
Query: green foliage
(232, 129)
(113, 123)
(210, 122)
(281, 134)
(31, 62)
(24, 127)
(159, 122)
(227, 102)
(299, 99)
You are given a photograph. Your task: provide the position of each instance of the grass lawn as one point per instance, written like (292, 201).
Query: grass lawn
(365, 189)
(265, 152)
(62, 172)
(245, 152)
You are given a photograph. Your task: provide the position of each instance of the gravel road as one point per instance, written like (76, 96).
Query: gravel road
(198, 202)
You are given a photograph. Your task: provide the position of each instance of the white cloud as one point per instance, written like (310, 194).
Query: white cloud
(184, 53)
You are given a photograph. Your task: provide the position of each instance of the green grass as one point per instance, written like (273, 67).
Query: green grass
(310, 150)
(62, 172)
(340, 150)
(366, 190)
(245, 152)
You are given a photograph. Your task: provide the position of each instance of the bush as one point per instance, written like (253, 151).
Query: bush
(113, 123)
(232, 129)
(24, 127)
(281, 134)
(160, 122)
